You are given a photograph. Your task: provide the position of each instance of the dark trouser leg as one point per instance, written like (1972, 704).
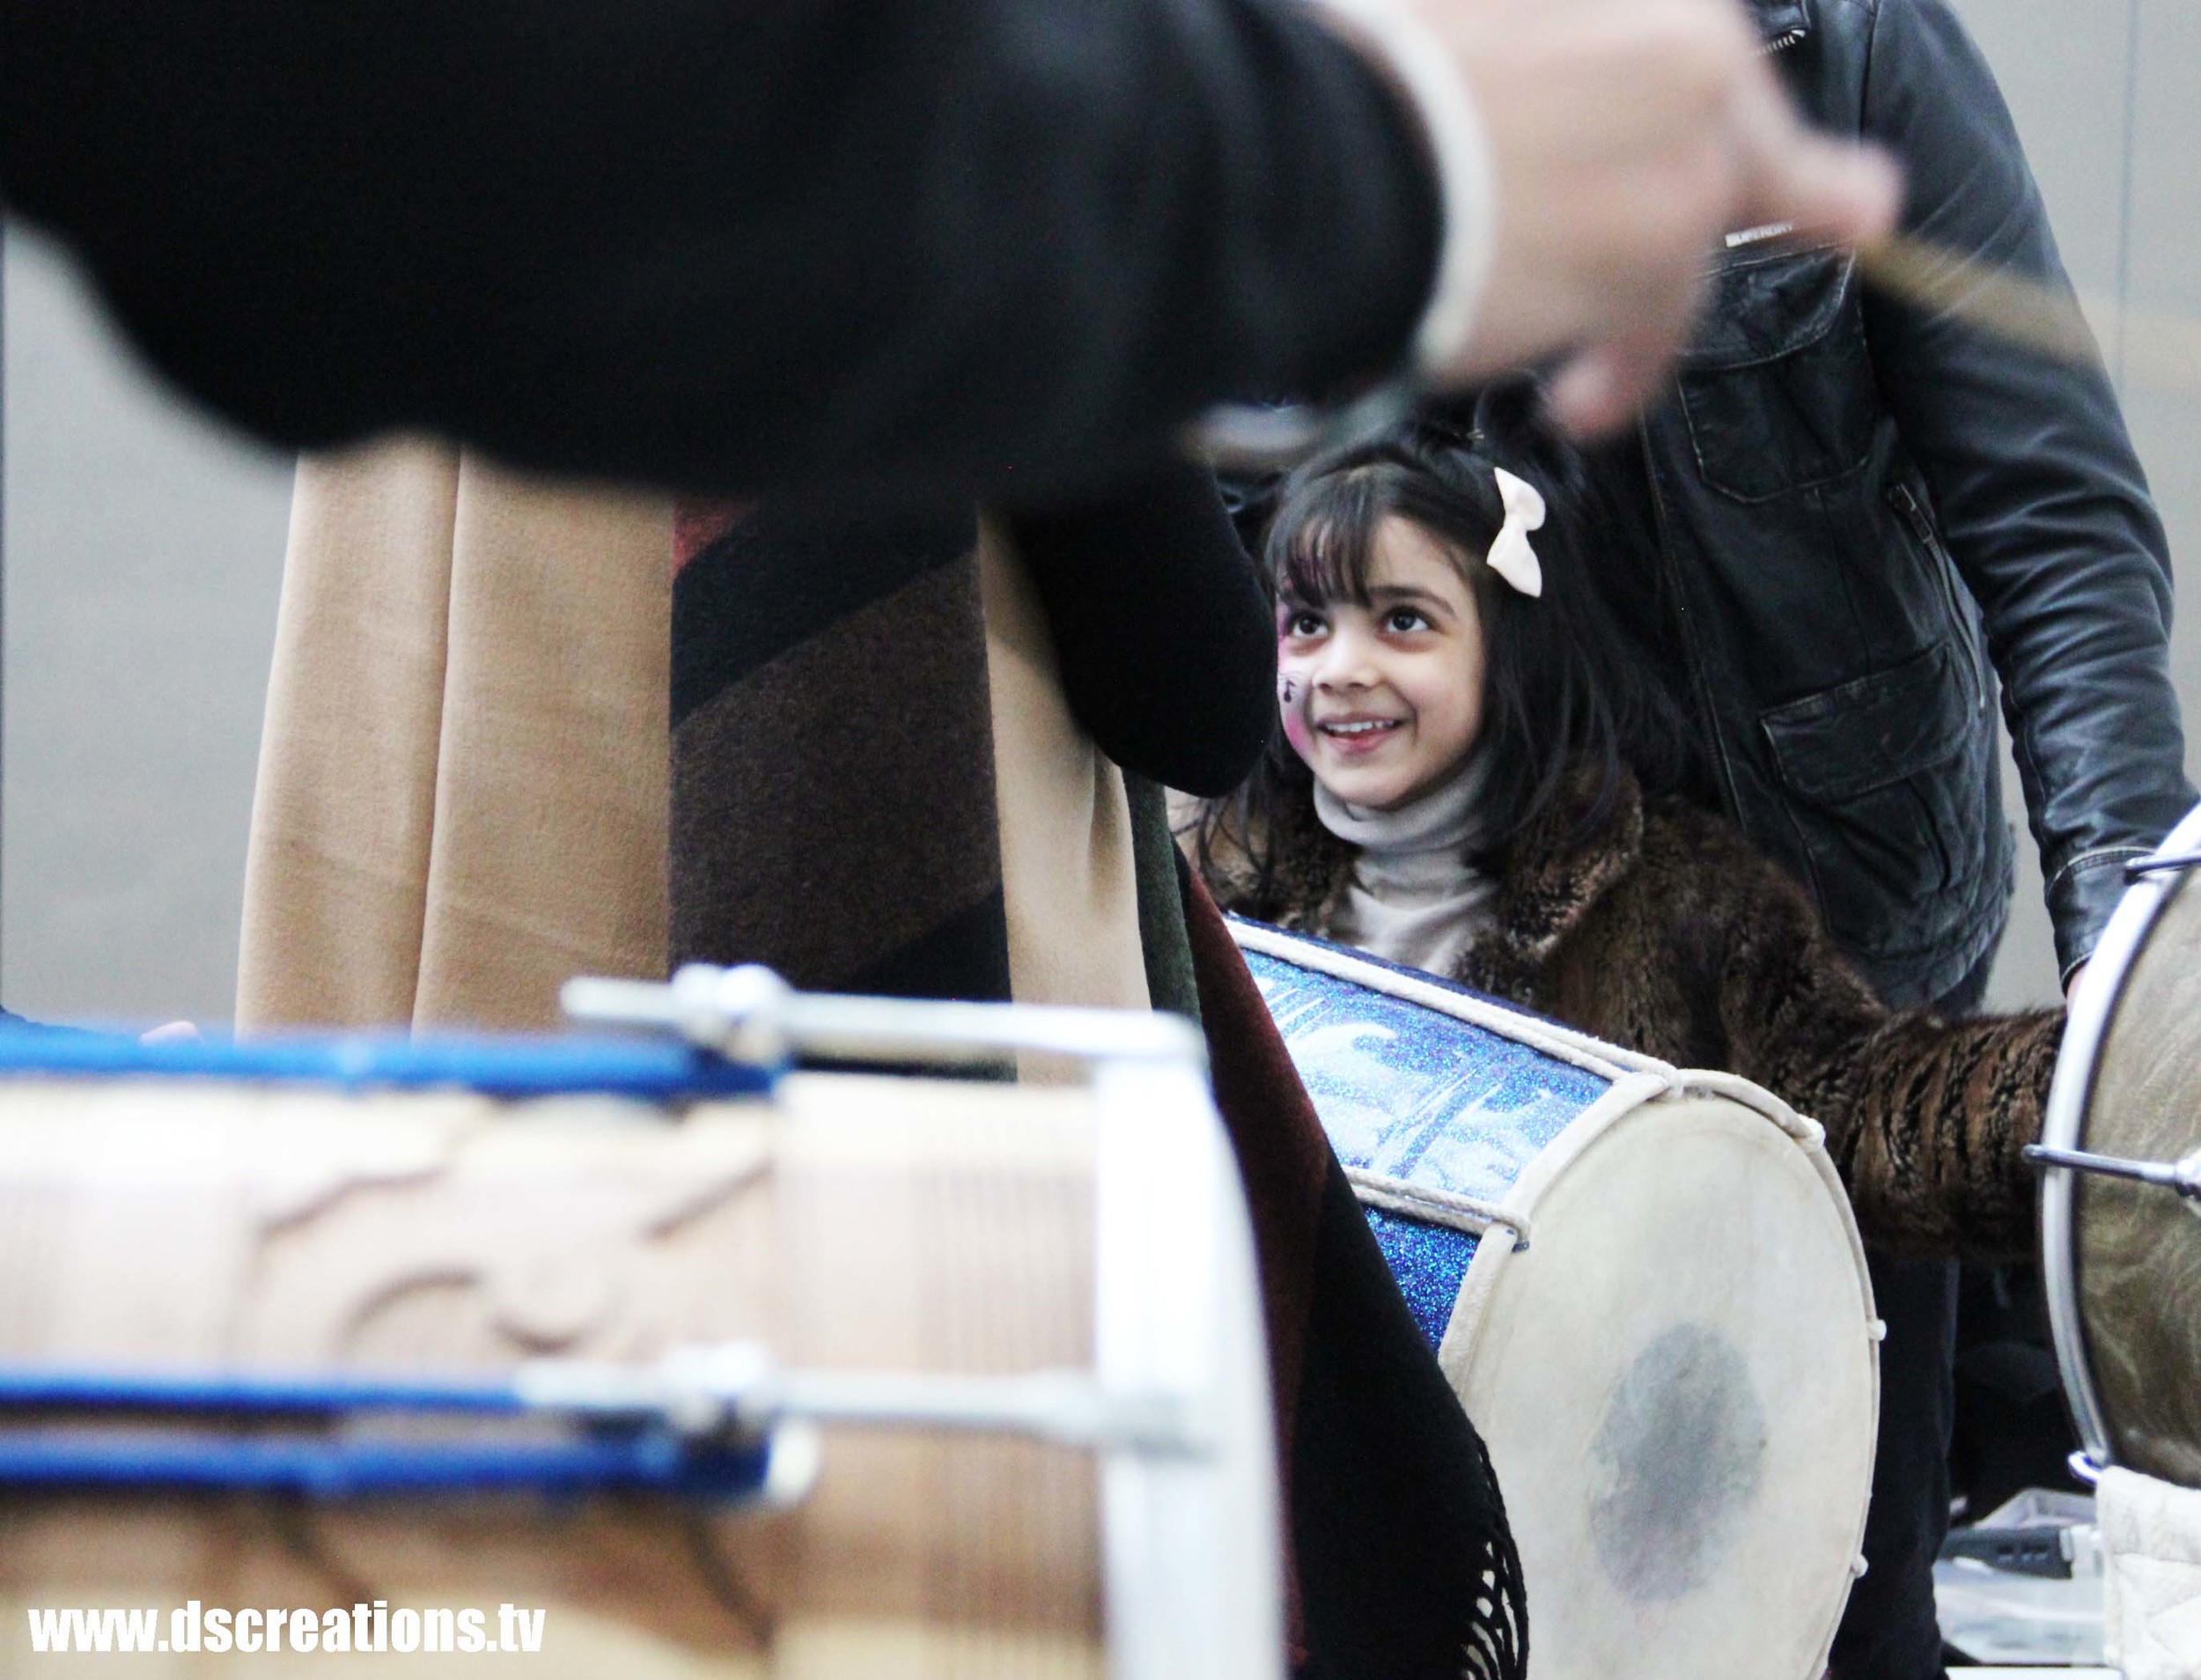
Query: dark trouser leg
(1889, 1632)
(2012, 1431)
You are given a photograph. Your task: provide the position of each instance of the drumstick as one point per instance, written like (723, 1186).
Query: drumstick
(2016, 308)
(2161, 352)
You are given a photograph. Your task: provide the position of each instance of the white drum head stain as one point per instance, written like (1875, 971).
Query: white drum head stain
(1678, 1458)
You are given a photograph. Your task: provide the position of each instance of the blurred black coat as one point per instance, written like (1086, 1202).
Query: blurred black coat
(993, 245)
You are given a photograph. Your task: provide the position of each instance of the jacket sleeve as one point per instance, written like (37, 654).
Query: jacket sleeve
(988, 244)
(1926, 1120)
(2042, 505)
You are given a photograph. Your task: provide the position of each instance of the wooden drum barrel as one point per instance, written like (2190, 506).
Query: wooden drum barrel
(860, 1229)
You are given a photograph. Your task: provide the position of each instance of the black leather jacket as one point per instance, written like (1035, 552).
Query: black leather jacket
(1852, 515)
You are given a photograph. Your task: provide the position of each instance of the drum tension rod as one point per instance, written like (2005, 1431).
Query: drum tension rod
(736, 1388)
(2184, 1176)
(2140, 868)
(750, 1014)
(304, 1434)
(700, 1422)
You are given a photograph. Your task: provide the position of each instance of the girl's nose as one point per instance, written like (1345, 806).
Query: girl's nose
(1345, 661)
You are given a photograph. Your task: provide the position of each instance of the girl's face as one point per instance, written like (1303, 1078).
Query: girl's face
(1384, 702)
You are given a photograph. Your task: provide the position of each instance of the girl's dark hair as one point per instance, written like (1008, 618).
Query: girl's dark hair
(1569, 702)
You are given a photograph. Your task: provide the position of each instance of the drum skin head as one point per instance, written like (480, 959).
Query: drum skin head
(1678, 1383)
(2139, 1246)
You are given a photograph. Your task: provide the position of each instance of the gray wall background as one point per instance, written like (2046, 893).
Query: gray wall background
(144, 555)
(144, 549)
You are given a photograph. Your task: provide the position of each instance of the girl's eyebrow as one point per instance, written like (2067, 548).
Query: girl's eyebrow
(1412, 594)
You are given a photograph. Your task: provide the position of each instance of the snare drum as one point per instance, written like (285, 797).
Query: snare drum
(1648, 1292)
(975, 1383)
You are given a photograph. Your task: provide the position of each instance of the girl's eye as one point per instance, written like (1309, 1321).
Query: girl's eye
(1402, 620)
(1304, 624)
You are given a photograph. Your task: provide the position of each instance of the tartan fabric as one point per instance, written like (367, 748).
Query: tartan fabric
(836, 813)
(832, 800)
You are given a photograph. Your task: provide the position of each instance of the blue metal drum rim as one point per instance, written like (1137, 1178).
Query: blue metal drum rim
(510, 1065)
(639, 1460)
(309, 1435)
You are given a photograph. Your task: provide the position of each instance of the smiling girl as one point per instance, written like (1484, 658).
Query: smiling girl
(1476, 776)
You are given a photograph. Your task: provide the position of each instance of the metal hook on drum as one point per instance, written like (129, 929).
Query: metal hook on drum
(2175, 862)
(750, 1014)
(710, 1422)
(2184, 1176)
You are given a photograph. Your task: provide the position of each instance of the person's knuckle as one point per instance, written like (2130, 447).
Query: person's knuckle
(1695, 194)
(1701, 46)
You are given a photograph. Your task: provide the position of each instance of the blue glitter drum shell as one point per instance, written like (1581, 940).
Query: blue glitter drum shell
(1416, 1095)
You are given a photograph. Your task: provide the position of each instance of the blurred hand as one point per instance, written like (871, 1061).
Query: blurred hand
(1626, 137)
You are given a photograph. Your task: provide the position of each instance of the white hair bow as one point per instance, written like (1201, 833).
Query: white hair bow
(1511, 556)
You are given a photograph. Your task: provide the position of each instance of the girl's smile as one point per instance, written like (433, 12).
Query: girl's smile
(1358, 734)
(1384, 699)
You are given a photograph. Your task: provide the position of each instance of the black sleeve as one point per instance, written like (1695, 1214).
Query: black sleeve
(976, 243)
(1168, 649)
(2043, 505)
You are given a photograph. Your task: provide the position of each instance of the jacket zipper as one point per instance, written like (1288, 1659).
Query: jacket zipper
(1677, 603)
(1783, 41)
(1904, 501)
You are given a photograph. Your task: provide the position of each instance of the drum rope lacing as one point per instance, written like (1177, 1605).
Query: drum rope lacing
(1473, 1214)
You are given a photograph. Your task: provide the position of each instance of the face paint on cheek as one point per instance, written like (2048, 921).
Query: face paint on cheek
(1291, 696)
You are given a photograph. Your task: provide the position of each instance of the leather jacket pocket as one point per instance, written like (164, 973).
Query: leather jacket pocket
(1879, 801)
(1776, 389)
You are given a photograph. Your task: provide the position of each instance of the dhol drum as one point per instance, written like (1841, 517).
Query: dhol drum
(1647, 1290)
(2120, 1246)
(2121, 1255)
(846, 1375)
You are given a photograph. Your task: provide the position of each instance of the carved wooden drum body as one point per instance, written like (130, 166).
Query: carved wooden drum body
(1647, 1290)
(2122, 1257)
(973, 1381)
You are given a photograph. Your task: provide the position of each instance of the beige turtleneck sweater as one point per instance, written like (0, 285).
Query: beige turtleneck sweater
(1415, 899)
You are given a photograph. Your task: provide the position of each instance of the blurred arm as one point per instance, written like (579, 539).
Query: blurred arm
(995, 243)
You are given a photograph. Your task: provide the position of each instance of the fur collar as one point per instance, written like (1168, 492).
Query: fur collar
(1550, 877)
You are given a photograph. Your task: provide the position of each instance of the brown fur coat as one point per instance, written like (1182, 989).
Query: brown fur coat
(1665, 931)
